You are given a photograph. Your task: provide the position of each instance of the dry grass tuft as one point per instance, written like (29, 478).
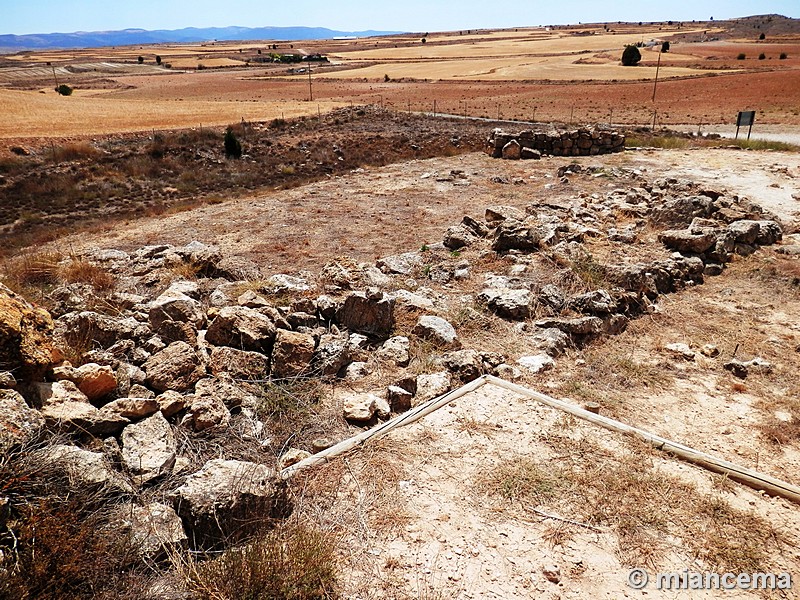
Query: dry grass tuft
(82, 271)
(292, 562)
(37, 269)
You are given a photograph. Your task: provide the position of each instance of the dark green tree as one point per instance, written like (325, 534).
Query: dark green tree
(665, 46)
(233, 149)
(631, 56)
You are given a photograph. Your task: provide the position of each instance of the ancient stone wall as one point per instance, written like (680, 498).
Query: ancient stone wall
(534, 144)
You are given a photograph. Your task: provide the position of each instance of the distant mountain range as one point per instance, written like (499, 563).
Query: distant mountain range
(128, 37)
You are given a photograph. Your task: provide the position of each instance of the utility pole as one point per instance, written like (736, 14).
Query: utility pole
(310, 92)
(658, 66)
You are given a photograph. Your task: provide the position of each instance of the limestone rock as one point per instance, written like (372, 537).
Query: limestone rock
(291, 457)
(357, 370)
(508, 304)
(85, 468)
(681, 350)
(400, 264)
(371, 314)
(395, 350)
(507, 372)
(684, 240)
(26, 346)
(18, 422)
(171, 403)
(496, 214)
(430, 386)
(242, 328)
(132, 408)
(467, 365)
(149, 448)
(63, 405)
(90, 328)
(458, 236)
(220, 502)
(551, 341)
(577, 326)
(176, 367)
(155, 529)
(512, 150)
(398, 398)
(437, 330)
(96, 381)
(332, 354)
(174, 305)
(240, 364)
(7, 380)
(292, 353)
(360, 407)
(536, 363)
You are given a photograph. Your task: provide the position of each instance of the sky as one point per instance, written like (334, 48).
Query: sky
(66, 16)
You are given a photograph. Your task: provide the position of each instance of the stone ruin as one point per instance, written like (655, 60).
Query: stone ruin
(534, 144)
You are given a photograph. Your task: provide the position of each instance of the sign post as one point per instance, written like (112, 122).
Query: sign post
(745, 119)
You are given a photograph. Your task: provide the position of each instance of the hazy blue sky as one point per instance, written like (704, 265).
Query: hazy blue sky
(64, 16)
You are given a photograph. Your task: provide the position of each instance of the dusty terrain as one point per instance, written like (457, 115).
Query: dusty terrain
(494, 495)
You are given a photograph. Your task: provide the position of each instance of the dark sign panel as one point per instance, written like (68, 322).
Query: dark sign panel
(746, 118)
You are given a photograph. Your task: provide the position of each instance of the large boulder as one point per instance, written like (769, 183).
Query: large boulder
(395, 350)
(26, 346)
(95, 381)
(685, 240)
(370, 314)
(149, 448)
(431, 385)
(400, 264)
(86, 329)
(18, 422)
(332, 354)
(224, 501)
(508, 304)
(518, 235)
(242, 328)
(292, 353)
(176, 367)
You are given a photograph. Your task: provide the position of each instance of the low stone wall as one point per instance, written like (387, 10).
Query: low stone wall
(534, 144)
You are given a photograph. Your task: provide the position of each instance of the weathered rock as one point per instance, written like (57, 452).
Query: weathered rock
(282, 282)
(598, 302)
(512, 150)
(680, 211)
(508, 304)
(7, 380)
(577, 326)
(742, 368)
(769, 232)
(507, 372)
(18, 422)
(395, 350)
(85, 468)
(400, 264)
(360, 407)
(431, 385)
(220, 502)
(458, 236)
(175, 331)
(26, 345)
(536, 363)
(292, 354)
(683, 240)
(291, 457)
(174, 305)
(176, 367)
(230, 392)
(155, 530)
(398, 398)
(518, 235)
(86, 329)
(333, 353)
(710, 350)
(552, 341)
(149, 448)
(237, 268)
(368, 314)
(240, 364)
(242, 328)
(131, 408)
(551, 296)
(64, 406)
(357, 370)
(744, 231)
(681, 350)
(96, 381)
(437, 330)
(496, 214)
(205, 412)
(171, 403)
(467, 365)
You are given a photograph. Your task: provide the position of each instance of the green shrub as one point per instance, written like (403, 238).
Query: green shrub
(64, 90)
(631, 56)
(233, 149)
(665, 47)
(763, 36)
(158, 59)
(783, 56)
(140, 60)
(762, 56)
(741, 56)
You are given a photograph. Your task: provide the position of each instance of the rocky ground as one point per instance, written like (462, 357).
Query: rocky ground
(175, 379)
